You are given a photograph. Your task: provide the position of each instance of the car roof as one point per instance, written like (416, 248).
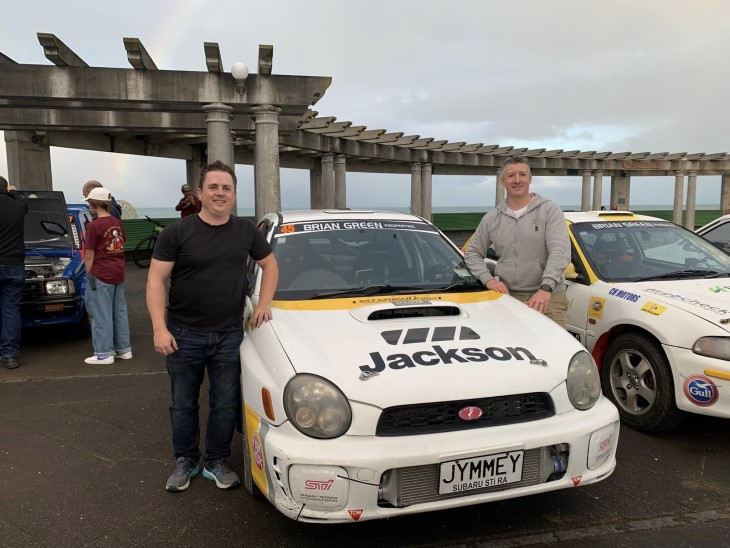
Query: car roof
(711, 224)
(606, 216)
(334, 215)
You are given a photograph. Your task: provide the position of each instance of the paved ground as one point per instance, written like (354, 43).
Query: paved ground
(85, 452)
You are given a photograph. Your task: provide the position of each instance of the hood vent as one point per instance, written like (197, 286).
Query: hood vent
(399, 313)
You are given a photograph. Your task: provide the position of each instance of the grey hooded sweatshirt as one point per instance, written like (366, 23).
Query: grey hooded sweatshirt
(533, 250)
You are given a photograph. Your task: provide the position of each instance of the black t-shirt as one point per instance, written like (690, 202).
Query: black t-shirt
(13, 208)
(208, 281)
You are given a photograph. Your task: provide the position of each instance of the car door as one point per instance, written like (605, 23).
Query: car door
(579, 296)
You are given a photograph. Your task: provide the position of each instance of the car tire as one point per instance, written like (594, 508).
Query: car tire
(638, 380)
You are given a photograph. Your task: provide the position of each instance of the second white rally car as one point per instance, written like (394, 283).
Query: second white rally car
(390, 382)
(651, 301)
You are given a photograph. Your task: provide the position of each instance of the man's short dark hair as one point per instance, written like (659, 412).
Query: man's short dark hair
(514, 160)
(3, 183)
(217, 166)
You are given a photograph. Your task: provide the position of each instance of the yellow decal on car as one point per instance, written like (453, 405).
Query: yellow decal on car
(255, 448)
(595, 307)
(654, 308)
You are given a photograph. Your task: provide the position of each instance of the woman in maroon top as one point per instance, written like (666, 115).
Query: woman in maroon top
(104, 262)
(188, 204)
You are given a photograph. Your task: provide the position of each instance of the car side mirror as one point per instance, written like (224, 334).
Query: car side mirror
(571, 273)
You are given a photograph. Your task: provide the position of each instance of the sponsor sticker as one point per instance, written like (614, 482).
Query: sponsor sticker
(355, 514)
(700, 390)
(719, 288)
(258, 452)
(625, 295)
(576, 480)
(595, 307)
(653, 308)
(688, 300)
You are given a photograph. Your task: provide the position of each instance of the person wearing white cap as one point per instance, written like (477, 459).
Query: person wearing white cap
(104, 262)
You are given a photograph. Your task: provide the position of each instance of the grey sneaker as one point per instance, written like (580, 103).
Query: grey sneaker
(180, 478)
(221, 473)
(10, 363)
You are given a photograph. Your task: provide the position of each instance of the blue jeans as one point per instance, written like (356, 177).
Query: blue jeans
(219, 352)
(110, 324)
(12, 282)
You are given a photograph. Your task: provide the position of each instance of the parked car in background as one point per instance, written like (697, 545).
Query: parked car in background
(651, 301)
(718, 232)
(390, 382)
(54, 264)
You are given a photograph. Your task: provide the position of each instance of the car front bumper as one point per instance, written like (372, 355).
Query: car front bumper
(358, 478)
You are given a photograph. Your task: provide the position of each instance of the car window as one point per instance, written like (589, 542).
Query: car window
(626, 251)
(720, 236)
(315, 257)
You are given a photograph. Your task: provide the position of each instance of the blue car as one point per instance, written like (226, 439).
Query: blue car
(55, 278)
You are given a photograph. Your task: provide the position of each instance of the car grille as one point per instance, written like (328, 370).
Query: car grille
(429, 418)
(419, 484)
(32, 291)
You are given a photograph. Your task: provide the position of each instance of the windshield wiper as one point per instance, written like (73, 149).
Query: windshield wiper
(719, 275)
(679, 274)
(379, 289)
(469, 286)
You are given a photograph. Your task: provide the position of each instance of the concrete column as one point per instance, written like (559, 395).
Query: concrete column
(192, 167)
(340, 181)
(267, 179)
(29, 161)
(328, 181)
(315, 185)
(689, 218)
(498, 190)
(416, 188)
(585, 192)
(218, 124)
(620, 186)
(724, 194)
(678, 197)
(426, 191)
(597, 189)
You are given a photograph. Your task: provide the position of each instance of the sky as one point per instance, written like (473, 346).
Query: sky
(605, 75)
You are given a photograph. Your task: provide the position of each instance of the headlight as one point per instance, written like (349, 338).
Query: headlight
(583, 382)
(316, 407)
(713, 347)
(57, 287)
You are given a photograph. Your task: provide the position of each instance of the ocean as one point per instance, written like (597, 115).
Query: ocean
(170, 213)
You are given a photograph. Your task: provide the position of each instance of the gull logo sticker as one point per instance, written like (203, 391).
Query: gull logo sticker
(470, 413)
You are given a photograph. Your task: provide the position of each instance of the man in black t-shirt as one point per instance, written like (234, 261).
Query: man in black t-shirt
(12, 271)
(204, 256)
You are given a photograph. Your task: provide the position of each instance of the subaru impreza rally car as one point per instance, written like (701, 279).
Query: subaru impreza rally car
(391, 382)
(651, 301)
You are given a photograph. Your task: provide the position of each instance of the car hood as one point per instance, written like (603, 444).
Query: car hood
(430, 348)
(706, 298)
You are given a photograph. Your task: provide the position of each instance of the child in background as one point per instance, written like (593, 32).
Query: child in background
(104, 262)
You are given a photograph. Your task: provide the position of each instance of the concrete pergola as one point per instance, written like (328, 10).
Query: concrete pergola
(205, 116)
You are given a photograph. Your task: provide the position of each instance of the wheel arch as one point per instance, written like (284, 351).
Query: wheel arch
(599, 349)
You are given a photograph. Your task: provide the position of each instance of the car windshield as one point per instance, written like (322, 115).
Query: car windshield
(648, 250)
(355, 257)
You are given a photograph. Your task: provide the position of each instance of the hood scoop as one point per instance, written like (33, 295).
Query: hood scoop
(386, 311)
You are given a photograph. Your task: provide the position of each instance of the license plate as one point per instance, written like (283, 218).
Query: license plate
(462, 475)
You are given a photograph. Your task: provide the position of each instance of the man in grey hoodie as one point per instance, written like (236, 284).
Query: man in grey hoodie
(530, 238)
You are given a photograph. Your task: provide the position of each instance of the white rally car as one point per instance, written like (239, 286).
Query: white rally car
(651, 301)
(390, 382)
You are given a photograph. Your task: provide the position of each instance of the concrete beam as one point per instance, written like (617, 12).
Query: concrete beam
(5, 59)
(122, 145)
(137, 55)
(213, 57)
(59, 53)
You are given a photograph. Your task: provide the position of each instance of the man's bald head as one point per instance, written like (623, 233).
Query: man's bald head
(89, 185)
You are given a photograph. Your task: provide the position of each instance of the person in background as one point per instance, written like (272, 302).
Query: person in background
(204, 257)
(115, 210)
(614, 207)
(13, 209)
(188, 204)
(104, 262)
(603, 208)
(530, 238)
